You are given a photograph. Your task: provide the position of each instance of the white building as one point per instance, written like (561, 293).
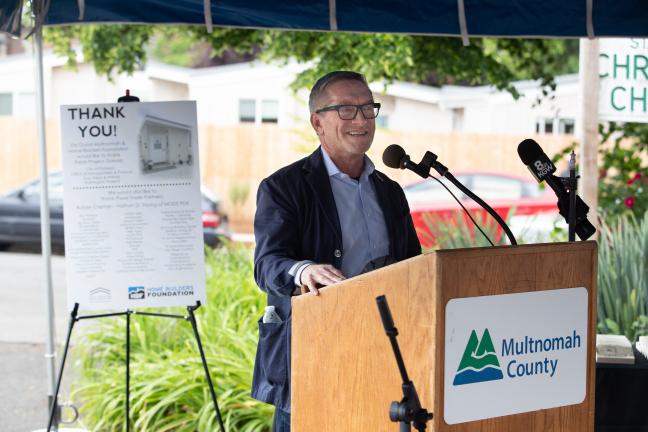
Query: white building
(482, 109)
(260, 93)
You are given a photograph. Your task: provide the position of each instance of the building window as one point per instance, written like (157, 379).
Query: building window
(545, 126)
(269, 111)
(557, 126)
(6, 104)
(247, 110)
(548, 126)
(566, 126)
(382, 121)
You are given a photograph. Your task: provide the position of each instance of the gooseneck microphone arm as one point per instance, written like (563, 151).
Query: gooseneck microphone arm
(482, 203)
(395, 157)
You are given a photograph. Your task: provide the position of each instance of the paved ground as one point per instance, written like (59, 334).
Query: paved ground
(23, 328)
(22, 297)
(23, 393)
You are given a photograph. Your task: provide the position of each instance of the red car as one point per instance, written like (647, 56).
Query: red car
(535, 209)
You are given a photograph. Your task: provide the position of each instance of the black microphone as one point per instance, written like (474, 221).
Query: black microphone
(540, 166)
(395, 157)
(542, 169)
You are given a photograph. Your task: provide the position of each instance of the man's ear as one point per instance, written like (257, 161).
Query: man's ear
(316, 123)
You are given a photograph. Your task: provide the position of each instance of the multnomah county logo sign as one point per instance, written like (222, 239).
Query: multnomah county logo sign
(513, 353)
(479, 362)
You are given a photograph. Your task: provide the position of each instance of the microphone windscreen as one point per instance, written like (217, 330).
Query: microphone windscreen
(529, 151)
(393, 155)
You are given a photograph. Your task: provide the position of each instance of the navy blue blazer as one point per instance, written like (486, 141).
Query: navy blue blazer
(296, 219)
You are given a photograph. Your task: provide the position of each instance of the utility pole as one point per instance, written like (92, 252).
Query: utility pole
(587, 132)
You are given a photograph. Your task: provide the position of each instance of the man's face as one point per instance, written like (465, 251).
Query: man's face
(344, 139)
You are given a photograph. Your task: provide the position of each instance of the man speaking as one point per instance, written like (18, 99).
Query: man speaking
(322, 219)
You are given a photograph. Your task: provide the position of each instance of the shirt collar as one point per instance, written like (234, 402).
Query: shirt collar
(333, 170)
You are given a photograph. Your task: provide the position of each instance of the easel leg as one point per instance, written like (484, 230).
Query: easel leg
(54, 406)
(192, 319)
(128, 314)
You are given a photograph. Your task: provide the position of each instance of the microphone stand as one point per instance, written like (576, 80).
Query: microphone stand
(573, 185)
(409, 409)
(430, 161)
(571, 206)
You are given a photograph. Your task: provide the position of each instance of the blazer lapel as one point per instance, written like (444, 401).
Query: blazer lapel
(386, 205)
(317, 178)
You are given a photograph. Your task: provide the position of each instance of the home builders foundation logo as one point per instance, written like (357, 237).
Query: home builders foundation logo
(136, 293)
(479, 362)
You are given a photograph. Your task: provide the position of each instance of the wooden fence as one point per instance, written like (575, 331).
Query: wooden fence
(234, 160)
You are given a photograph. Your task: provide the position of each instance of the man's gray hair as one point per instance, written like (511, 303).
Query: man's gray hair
(320, 86)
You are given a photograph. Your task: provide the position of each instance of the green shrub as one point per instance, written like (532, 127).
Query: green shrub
(623, 277)
(169, 391)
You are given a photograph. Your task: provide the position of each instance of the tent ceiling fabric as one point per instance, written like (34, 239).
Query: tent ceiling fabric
(507, 18)
(10, 13)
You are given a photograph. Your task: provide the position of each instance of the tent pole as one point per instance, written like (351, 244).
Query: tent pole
(50, 350)
(588, 129)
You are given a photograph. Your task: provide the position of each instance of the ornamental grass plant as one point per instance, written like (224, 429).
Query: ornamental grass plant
(169, 391)
(623, 276)
(459, 232)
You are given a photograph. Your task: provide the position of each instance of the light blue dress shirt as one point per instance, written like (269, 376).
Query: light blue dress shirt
(364, 233)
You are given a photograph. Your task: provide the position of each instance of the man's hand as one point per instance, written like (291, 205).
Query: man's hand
(318, 275)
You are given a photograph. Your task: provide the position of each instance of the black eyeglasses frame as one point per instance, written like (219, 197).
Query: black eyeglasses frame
(375, 105)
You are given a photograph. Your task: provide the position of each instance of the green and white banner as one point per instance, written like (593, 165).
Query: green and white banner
(623, 74)
(514, 353)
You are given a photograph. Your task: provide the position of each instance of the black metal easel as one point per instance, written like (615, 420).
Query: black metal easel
(189, 317)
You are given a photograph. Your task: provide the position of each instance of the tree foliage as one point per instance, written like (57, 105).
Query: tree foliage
(434, 60)
(623, 171)
(112, 48)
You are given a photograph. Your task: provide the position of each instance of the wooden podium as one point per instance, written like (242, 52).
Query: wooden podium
(344, 375)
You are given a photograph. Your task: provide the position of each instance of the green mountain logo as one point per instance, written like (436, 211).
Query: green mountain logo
(479, 362)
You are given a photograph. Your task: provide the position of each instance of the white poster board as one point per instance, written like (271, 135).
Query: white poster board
(132, 205)
(514, 353)
(623, 75)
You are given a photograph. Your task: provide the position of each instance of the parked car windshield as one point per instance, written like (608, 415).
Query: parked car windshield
(489, 187)
(32, 191)
(430, 191)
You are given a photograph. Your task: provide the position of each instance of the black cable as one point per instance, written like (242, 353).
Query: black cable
(464, 209)
(482, 203)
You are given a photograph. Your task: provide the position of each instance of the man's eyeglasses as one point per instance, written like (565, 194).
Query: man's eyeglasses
(349, 112)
